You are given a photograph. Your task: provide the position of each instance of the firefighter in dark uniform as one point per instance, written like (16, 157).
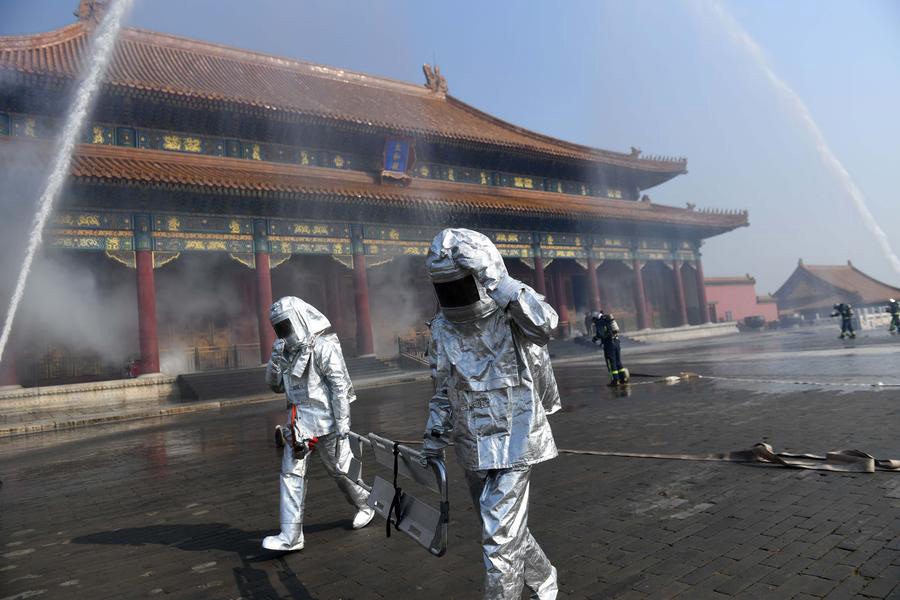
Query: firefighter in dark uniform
(894, 310)
(607, 331)
(845, 312)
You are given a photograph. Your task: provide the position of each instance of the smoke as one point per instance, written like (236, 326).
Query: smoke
(78, 302)
(402, 300)
(799, 109)
(197, 288)
(104, 41)
(21, 175)
(199, 305)
(83, 303)
(72, 303)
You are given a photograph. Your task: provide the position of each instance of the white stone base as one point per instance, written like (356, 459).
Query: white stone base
(677, 334)
(59, 403)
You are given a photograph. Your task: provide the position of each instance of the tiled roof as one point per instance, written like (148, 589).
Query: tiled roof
(114, 164)
(167, 64)
(849, 278)
(820, 286)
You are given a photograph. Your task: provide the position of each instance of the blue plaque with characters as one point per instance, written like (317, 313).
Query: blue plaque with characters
(399, 156)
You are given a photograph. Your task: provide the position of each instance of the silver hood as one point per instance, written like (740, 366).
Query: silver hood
(456, 254)
(305, 319)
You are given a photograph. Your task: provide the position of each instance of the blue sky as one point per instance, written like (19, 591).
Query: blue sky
(660, 75)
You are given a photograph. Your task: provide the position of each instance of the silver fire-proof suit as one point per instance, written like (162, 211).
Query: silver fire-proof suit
(494, 388)
(308, 365)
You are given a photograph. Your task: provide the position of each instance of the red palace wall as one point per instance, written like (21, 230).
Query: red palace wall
(739, 299)
(768, 310)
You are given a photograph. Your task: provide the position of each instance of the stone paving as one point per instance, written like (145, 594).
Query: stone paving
(176, 507)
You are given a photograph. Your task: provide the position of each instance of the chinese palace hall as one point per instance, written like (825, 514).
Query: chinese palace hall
(272, 176)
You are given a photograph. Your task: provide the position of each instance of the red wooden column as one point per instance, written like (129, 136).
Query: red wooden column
(146, 292)
(540, 281)
(264, 305)
(364, 342)
(333, 299)
(592, 283)
(679, 293)
(8, 377)
(247, 324)
(263, 289)
(640, 298)
(562, 304)
(146, 295)
(701, 291)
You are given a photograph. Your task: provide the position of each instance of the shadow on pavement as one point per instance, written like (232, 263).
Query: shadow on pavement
(253, 583)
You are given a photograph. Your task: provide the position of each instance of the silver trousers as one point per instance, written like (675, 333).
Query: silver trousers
(512, 557)
(335, 455)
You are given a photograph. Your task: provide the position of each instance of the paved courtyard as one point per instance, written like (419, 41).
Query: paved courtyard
(177, 507)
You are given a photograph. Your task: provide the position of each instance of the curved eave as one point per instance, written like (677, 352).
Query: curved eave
(130, 167)
(667, 168)
(221, 74)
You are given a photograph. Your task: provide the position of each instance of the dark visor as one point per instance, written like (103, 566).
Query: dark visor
(283, 328)
(457, 293)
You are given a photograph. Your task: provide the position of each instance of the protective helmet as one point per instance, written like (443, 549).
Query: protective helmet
(891, 300)
(458, 261)
(296, 322)
(836, 306)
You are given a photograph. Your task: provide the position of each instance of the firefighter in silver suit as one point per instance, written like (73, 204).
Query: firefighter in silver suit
(494, 388)
(307, 364)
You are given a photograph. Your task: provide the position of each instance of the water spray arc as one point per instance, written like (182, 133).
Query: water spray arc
(796, 104)
(101, 52)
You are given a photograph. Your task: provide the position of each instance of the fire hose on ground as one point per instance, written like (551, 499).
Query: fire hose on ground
(428, 524)
(686, 376)
(841, 461)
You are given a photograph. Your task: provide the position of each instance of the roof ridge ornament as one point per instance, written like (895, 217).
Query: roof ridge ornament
(90, 12)
(434, 81)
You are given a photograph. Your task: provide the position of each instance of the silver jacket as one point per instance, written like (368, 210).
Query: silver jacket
(314, 375)
(494, 385)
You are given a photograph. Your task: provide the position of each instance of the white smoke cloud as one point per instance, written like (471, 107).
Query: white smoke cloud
(101, 51)
(402, 300)
(76, 304)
